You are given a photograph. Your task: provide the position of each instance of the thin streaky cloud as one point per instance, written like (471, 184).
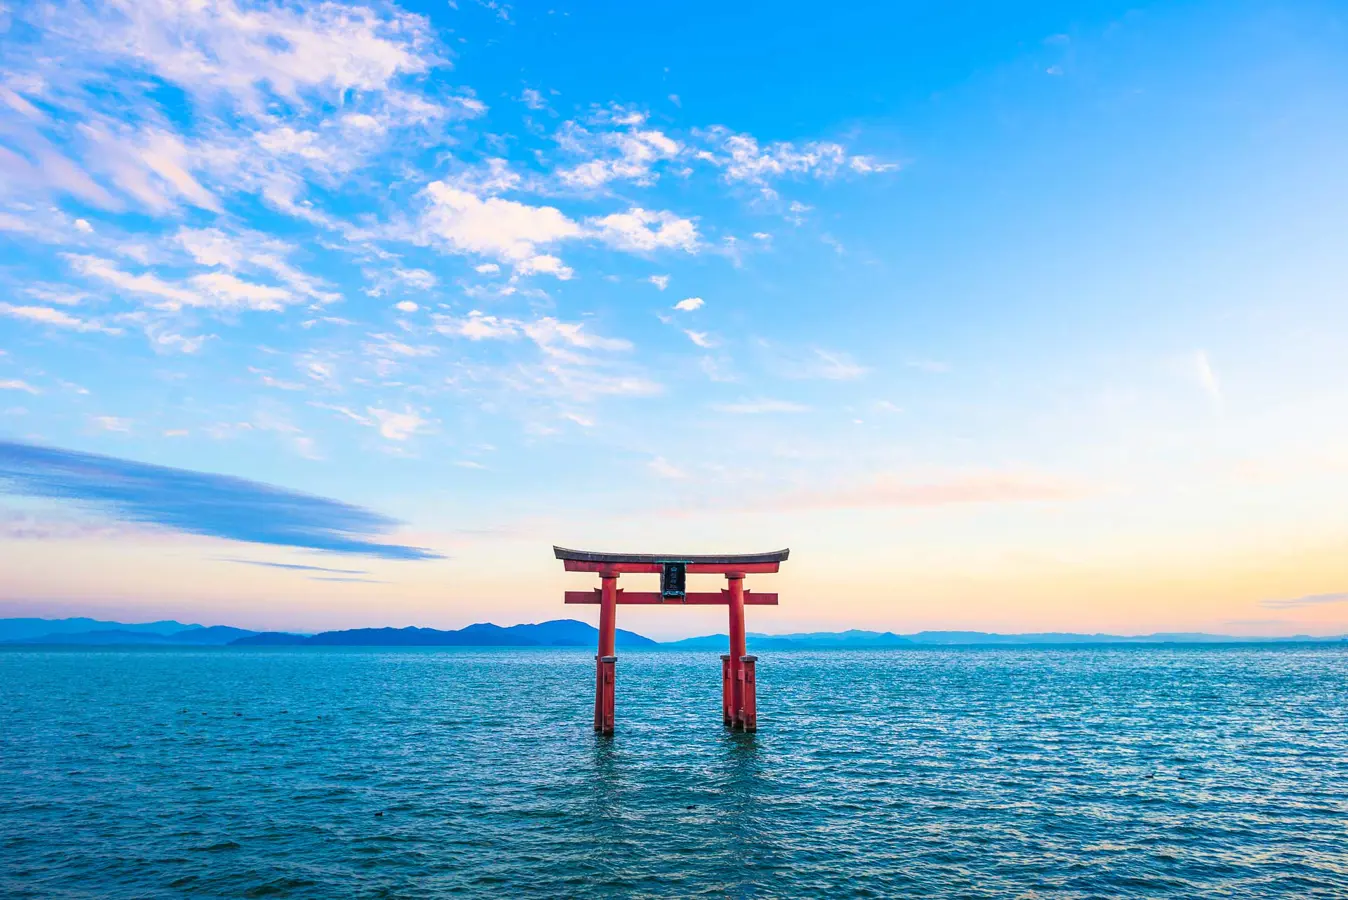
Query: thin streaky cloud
(291, 566)
(1308, 600)
(344, 580)
(201, 503)
(758, 407)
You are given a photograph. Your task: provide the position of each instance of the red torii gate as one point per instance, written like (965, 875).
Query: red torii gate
(739, 699)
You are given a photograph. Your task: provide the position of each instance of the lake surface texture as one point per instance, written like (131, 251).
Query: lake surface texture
(413, 773)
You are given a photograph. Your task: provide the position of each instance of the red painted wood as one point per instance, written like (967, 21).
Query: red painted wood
(598, 694)
(607, 677)
(737, 650)
(739, 697)
(602, 568)
(726, 693)
(655, 598)
(608, 615)
(726, 559)
(750, 712)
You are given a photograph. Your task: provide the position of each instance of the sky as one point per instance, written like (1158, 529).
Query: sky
(324, 315)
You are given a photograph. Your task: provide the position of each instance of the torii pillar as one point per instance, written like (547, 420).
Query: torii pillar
(739, 695)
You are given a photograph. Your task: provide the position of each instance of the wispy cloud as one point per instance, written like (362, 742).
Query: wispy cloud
(296, 567)
(888, 491)
(59, 318)
(700, 338)
(1308, 600)
(742, 158)
(759, 407)
(663, 468)
(111, 423)
(1206, 376)
(346, 580)
(202, 503)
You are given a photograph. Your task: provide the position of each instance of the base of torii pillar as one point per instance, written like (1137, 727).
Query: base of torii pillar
(605, 669)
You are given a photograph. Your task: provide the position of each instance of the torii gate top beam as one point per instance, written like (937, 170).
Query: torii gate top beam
(653, 563)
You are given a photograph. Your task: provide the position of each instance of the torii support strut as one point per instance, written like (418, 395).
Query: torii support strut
(739, 696)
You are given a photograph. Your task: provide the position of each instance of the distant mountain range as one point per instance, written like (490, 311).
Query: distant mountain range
(557, 633)
(92, 632)
(881, 639)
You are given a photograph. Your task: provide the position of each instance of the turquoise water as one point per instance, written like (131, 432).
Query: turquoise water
(414, 773)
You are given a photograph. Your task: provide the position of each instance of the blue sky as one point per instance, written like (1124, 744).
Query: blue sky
(999, 318)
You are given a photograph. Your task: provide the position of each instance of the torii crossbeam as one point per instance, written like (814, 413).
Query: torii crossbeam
(739, 697)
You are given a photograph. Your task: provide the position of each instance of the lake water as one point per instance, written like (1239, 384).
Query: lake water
(423, 772)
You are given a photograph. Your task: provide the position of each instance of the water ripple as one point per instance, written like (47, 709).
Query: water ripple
(940, 773)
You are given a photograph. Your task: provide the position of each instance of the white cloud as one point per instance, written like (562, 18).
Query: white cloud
(84, 226)
(505, 229)
(212, 247)
(1207, 378)
(225, 291)
(660, 281)
(700, 338)
(627, 155)
(55, 317)
(286, 141)
(544, 264)
(533, 99)
(583, 383)
(547, 333)
(406, 306)
(251, 252)
(151, 165)
(551, 336)
(642, 231)
(164, 341)
(14, 384)
(582, 421)
(487, 269)
(757, 407)
(814, 363)
(416, 278)
(387, 347)
(111, 423)
(494, 177)
(743, 159)
(689, 304)
(396, 426)
(477, 326)
(665, 469)
(716, 370)
(248, 53)
(835, 366)
(144, 284)
(273, 382)
(211, 290)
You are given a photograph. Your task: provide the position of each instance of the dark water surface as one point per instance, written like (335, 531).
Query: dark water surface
(938, 773)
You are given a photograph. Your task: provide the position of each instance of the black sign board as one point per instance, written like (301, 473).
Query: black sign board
(673, 580)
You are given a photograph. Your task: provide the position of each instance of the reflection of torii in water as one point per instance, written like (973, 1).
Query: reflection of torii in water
(739, 707)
